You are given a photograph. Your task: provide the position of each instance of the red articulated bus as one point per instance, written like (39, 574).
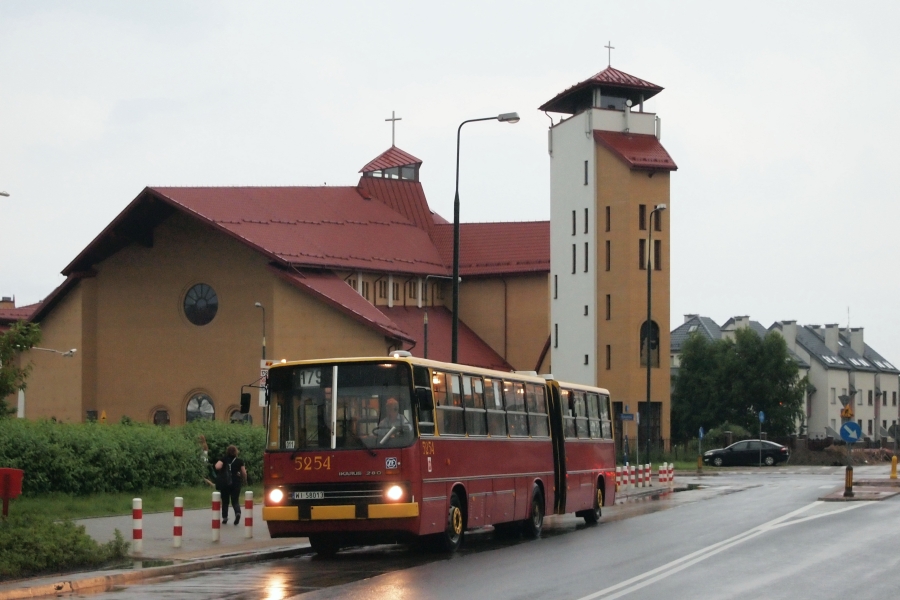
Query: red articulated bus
(373, 450)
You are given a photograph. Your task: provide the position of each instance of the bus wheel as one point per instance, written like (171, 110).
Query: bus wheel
(592, 516)
(452, 538)
(535, 521)
(324, 545)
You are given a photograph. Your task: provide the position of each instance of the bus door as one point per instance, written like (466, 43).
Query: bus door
(559, 449)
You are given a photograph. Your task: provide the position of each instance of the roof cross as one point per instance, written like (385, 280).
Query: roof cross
(610, 48)
(393, 121)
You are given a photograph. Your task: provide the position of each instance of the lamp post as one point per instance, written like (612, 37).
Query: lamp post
(259, 305)
(659, 208)
(425, 324)
(454, 342)
(63, 353)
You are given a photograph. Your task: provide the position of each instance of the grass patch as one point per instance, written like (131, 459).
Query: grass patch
(33, 545)
(64, 506)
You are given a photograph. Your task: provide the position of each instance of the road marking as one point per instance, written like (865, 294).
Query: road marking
(644, 579)
(826, 487)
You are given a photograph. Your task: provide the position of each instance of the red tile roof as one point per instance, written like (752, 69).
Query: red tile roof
(392, 157)
(638, 151)
(497, 248)
(632, 87)
(472, 349)
(405, 197)
(329, 227)
(333, 290)
(19, 313)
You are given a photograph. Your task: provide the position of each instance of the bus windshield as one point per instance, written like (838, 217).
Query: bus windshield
(372, 408)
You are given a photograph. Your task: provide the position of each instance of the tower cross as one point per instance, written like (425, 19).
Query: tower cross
(610, 48)
(393, 121)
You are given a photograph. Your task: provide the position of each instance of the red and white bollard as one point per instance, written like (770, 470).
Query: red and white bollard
(633, 476)
(618, 478)
(671, 477)
(137, 527)
(640, 476)
(248, 514)
(179, 516)
(216, 515)
(662, 473)
(648, 477)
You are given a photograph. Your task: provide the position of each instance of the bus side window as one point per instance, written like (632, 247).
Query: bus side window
(604, 417)
(537, 411)
(565, 401)
(593, 415)
(493, 400)
(422, 379)
(514, 396)
(474, 394)
(450, 415)
(581, 422)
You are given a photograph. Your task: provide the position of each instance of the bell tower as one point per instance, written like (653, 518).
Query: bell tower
(609, 215)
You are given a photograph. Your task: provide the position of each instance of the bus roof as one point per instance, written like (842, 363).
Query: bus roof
(434, 364)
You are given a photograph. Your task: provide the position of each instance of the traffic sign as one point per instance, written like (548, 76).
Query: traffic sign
(627, 416)
(701, 433)
(847, 412)
(851, 432)
(762, 416)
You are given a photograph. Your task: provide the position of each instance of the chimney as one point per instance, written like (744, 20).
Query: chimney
(789, 332)
(856, 340)
(832, 333)
(689, 317)
(8, 302)
(741, 322)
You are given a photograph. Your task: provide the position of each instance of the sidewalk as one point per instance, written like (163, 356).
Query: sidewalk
(198, 551)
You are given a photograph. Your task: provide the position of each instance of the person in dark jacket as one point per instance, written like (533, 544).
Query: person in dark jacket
(231, 494)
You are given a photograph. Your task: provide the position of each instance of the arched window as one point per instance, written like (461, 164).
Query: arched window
(236, 416)
(160, 416)
(200, 406)
(201, 303)
(651, 332)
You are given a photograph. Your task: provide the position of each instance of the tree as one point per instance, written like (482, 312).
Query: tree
(732, 380)
(20, 337)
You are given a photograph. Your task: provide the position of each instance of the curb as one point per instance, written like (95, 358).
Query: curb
(134, 576)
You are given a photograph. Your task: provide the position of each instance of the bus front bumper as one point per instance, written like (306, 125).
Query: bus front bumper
(342, 512)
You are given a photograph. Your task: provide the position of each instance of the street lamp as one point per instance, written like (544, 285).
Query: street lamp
(259, 305)
(454, 343)
(659, 208)
(425, 324)
(64, 354)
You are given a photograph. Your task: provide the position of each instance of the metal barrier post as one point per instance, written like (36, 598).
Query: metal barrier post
(137, 526)
(216, 515)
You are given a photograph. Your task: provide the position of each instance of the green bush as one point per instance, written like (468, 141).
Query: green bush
(716, 435)
(34, 546)
(86, 458)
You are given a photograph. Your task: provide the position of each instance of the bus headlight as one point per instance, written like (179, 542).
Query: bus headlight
(395, 492)
(276, 496)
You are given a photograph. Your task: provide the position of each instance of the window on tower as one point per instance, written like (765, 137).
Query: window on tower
(657, 255)
(650, 343)
(642, 254)
(642, 217)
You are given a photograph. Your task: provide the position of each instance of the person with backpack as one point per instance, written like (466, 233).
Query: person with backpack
(231, 474)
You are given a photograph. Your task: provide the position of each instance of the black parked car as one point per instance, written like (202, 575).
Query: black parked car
(747, 452)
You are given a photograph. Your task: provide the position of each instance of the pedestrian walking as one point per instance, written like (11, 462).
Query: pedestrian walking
(231, 474)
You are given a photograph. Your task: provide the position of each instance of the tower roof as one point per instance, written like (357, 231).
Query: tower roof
(390, 158)
(611, 81)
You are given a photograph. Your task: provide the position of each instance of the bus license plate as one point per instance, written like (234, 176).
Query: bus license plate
(309, 495)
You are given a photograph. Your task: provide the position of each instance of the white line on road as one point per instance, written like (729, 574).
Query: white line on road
(650, 577)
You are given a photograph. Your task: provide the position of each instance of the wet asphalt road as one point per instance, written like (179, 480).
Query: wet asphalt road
(743, 535)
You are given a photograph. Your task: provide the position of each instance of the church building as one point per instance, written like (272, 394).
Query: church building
(174, 304)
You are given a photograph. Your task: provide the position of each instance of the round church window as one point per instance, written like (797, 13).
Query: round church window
(200, 406)
(201, 304)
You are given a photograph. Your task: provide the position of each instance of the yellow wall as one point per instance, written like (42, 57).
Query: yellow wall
(55, 386)
(623, 190)
(511, 314)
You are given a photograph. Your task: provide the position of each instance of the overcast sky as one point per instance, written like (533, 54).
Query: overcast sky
(779, 116)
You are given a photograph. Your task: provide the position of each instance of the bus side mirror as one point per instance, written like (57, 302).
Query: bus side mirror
(424, 399)
(245, 402)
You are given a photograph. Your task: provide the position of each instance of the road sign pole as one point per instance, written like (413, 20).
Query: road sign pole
(848, 482)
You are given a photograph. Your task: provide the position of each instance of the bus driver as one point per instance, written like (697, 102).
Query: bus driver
(393, 422)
